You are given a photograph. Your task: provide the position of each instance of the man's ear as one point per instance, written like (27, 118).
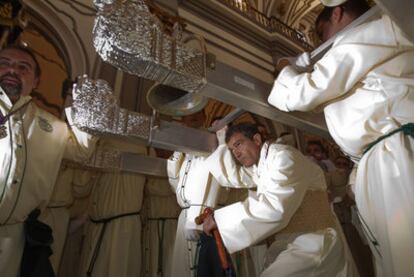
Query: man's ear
(257, 139)
(337, 14)
(36, 82)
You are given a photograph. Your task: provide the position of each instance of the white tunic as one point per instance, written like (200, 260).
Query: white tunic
(30, 158)
(365, 83)
(82, 184)
(118, 196)
(161, 216)
(56, 215)
(196, 189)
(284, 179)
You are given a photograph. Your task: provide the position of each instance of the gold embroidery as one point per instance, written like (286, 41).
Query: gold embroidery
(45, 125)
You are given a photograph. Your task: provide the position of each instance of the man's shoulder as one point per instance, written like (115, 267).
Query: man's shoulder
(42, 112)
(376, 30)
(272, 150)
(48, 118)
(274, 146)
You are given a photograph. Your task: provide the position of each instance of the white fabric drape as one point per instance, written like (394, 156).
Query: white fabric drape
(115, 194)
(161, 217)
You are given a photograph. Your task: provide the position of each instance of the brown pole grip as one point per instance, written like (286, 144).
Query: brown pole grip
(221, 250)
(216, 234)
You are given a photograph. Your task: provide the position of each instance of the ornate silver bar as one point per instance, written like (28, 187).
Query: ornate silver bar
(236, 88)
(112, 160)
(95, 110)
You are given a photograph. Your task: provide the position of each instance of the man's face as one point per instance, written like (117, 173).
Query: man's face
(17, 73)
(245, 150)
(195, 120)
(315, 151)
(342, 163)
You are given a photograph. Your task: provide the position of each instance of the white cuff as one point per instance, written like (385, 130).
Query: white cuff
(279, 96)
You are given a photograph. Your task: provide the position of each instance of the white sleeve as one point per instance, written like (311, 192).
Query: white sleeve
(80, 145)
(174, 164)
(342, 67)
(279, 194)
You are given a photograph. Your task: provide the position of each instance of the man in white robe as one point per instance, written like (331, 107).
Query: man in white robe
(365, 85)
(290, 201)
(32, 145)
(195, 190)
(161, 216)
(57, 215)
(82, 183)
(112, 244)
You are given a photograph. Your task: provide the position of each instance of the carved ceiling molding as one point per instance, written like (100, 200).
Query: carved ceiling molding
(297, 10)
(297, 14)
(307, 26)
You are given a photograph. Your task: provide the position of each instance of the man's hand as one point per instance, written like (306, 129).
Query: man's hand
(209, 225)
(282, 62)
(301, 63)
(220, 134)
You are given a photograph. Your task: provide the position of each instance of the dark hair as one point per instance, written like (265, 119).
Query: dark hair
(352, 7)
(246, 129)
(37, 70)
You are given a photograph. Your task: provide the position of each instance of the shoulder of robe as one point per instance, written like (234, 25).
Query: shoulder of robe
(376, 31)
(275, 148)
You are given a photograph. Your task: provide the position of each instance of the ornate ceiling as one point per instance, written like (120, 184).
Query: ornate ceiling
(298, 14)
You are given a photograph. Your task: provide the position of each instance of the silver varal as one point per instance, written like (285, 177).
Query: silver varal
(95, 110)
(130, 38)
(102, 160)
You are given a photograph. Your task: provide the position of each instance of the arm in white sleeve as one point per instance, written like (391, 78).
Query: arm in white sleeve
(227, 171)
(174, 164)
(80, 145)
(343, 66)
(279, 193)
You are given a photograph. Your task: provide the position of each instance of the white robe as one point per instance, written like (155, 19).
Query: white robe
(248, 262)
(113, 195)
(161, 216)
(284, 179)
(365, 83)
(82, 184)
(196, 189)
(56, 214)
(30, 158)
